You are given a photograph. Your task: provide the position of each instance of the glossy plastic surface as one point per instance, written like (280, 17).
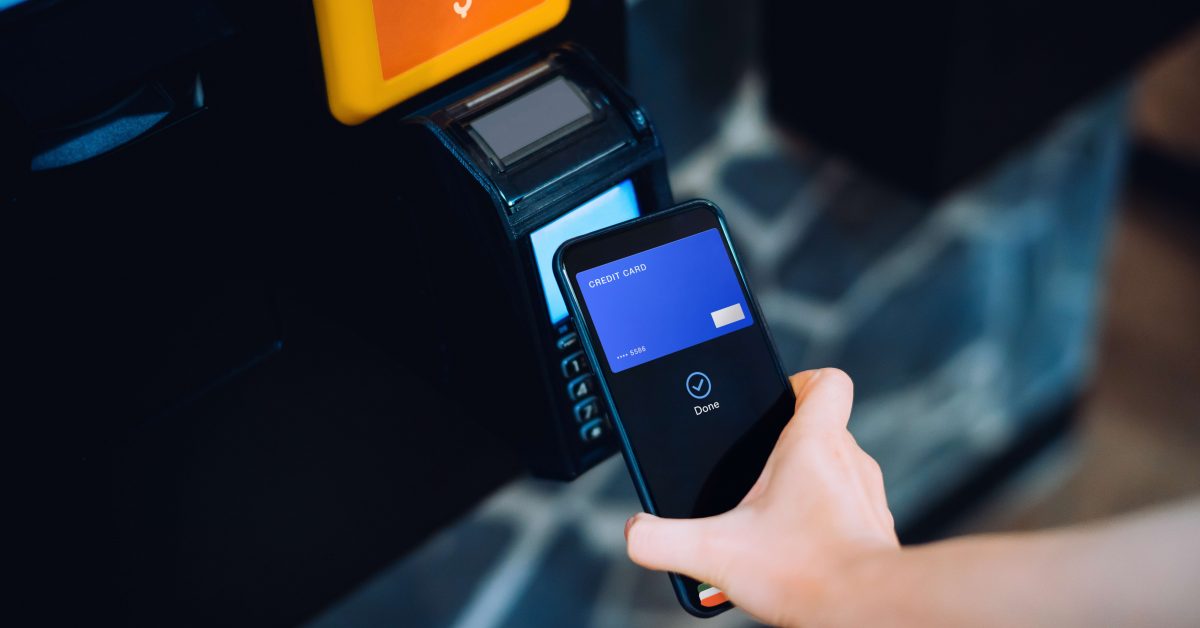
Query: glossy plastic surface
(587, 335)
(379, 53)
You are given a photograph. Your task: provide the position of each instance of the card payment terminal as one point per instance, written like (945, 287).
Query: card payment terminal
(551, 150)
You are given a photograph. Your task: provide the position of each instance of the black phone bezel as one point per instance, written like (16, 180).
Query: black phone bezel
(594, 249)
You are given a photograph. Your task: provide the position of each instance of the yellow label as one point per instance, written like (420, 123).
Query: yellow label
(378, 53)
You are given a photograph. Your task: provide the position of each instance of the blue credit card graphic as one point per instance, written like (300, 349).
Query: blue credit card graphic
(664, 299)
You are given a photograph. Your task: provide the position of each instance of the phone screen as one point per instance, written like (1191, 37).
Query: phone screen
(693, 376)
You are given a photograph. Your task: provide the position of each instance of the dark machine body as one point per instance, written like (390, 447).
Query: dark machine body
(228, 396)
(477, 216)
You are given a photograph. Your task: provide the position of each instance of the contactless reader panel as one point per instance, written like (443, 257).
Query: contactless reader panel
(552, 150)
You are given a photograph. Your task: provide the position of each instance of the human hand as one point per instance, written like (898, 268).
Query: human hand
(817, 510)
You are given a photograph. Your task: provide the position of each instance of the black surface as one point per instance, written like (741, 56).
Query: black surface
(66, 57)
(930, 95)
(1169, 177)
(302, 477)
(690, 57)
(209, 442)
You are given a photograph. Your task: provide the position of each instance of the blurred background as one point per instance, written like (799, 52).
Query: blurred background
(989, 216)
(1024, 340)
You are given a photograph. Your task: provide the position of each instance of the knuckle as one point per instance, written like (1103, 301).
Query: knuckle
(638, 541)
(838, 376)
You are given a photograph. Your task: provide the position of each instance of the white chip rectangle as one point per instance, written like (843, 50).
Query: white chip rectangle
(727, 315)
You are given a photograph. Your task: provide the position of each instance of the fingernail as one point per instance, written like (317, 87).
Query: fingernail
(629, 524)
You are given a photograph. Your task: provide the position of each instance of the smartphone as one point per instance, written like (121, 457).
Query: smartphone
(682, 353)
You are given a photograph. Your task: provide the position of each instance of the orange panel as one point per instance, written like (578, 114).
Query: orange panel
(377, 53)
(413, 31)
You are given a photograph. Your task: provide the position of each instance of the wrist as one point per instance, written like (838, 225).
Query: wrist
(855, 589)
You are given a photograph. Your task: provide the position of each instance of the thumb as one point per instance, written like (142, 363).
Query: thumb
(679, 545)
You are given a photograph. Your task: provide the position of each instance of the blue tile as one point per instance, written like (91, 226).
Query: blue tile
(920, 326)
(849, 237)
(428, 587)
(565, 587)
(767, 182)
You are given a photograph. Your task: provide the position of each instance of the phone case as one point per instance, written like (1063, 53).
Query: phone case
(585, 334)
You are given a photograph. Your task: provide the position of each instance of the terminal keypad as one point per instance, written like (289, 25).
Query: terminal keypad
(580, 383)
